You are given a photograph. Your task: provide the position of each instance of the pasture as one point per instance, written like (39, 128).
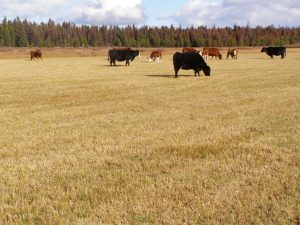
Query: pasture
(84, 143)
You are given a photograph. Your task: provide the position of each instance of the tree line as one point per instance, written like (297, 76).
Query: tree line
(24, 33)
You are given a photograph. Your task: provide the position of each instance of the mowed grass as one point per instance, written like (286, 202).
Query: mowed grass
(84, 143)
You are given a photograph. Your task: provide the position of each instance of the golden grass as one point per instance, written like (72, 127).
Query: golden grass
(84, 143)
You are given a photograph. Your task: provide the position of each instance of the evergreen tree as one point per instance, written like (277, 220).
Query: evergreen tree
(22, 33)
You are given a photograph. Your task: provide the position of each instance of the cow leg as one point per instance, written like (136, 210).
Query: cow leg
(114, 61)
(176, 72)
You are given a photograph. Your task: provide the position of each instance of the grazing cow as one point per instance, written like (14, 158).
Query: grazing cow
(232, 52)
(213, 52)
(36, 54)
(271, 51)
(155, 56)
(204, 54)
(187, 50)
(187, 61)
(122, 55)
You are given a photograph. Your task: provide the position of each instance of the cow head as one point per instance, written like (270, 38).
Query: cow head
(220, 56)
(263, 49)
(206, 70)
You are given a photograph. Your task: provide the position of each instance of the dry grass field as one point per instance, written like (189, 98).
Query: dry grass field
(84, 143)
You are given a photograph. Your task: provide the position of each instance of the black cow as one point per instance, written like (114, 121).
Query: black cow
(271, 51)
(188, 61)
(120, 55)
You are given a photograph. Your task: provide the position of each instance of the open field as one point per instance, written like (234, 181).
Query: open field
(84, 143)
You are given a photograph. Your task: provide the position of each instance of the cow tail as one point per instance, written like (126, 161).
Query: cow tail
(108, 56)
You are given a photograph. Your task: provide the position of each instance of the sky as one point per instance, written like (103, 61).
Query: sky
(183, 13)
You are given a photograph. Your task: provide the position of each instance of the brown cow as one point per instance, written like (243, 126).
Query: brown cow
(204, 54)
(213, 52)
(188, 50)
(36, 54)
(232, 52)
(155, 56)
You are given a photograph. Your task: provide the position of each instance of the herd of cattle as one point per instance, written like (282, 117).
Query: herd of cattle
(189, 58)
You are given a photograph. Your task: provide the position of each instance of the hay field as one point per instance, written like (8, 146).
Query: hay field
(84, 143)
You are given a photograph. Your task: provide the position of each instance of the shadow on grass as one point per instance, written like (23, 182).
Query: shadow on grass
(168, 76)
(113, 66)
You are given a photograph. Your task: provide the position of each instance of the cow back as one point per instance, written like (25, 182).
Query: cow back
(189, 50)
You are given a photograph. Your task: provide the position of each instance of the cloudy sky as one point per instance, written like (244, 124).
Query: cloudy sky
(157, 12)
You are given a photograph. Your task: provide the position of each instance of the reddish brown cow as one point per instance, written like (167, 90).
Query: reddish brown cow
(204, 54)
(188, 50)
(36, 54)
(155, 56)
(213, 52)
(232, 52)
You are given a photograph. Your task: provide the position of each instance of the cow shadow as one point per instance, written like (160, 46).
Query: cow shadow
(167, 76)
(113, 66)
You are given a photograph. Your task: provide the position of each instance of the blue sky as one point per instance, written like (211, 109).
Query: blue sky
(157, 12)
(155, 9)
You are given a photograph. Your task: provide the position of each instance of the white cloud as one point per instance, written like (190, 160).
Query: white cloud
(241, 12)
(110, 12)
(120, 12)
(31, 9)
(98, 12)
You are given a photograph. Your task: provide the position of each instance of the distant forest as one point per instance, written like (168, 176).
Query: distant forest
(24, 33)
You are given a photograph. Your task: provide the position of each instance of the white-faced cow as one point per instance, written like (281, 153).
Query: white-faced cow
(204, 54)
(155, 56)
(232, 52)
(120, 55)
(190, 61)
(271, 51)
(36, 55)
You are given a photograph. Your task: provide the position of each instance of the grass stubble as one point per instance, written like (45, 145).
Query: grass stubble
(83, 143)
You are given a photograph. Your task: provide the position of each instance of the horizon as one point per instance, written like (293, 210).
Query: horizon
(154, 13)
